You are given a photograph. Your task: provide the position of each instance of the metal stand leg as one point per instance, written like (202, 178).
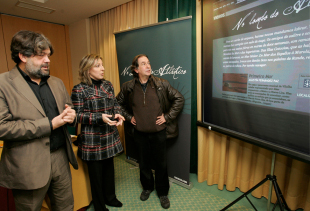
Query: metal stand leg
(270, 185)
(280, 199)
(245, 194)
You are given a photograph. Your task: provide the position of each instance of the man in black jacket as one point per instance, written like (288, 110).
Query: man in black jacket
(151, 105)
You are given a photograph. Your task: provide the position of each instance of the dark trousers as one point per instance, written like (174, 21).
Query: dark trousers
(153, 153)
(58, 188)
(101, 176)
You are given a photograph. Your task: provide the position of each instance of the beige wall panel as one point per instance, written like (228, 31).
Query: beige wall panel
(54, 32)
(79, 46)
(69, 58)
(3, 62)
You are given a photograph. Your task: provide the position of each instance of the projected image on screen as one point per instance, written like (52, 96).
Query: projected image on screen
(256, 63)
(235, 82)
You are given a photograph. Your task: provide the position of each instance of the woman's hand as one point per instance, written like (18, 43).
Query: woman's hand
(107, 120)
(120, 119)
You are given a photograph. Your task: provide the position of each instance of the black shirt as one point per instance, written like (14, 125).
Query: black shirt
(48, 103)
(144, 85)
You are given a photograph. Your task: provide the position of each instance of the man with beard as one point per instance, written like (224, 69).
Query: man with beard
(34, 110)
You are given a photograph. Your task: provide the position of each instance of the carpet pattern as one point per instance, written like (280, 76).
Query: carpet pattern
(128, 191)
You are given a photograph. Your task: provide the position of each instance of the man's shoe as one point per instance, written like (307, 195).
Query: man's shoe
(164, 201)
(115, 203)
(145, 195)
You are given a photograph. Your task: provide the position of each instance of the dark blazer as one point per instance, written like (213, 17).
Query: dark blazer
(25, 129)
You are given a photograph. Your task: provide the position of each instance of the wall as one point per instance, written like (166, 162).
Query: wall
(3, 62)
(57, 34)
(79, 45)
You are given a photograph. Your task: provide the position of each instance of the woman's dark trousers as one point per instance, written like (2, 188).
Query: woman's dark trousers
(101, 176)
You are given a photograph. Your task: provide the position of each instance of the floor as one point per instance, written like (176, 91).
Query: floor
(200, 197)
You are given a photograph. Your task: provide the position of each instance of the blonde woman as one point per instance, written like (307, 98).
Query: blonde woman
(99, 114)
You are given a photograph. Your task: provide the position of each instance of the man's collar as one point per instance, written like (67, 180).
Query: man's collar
(22, 72)
(138, 79)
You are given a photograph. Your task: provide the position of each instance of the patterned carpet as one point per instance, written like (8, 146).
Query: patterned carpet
(128, 191)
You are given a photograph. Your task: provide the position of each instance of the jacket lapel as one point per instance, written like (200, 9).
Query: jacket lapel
(24, 89)
(57, 93)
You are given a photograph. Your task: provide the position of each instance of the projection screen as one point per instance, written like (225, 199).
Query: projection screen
(256, 72)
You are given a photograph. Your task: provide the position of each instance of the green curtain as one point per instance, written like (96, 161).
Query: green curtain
(172, 9)
(167, 9)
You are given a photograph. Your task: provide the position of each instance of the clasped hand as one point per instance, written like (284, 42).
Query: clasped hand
(118, 119)
(67, 116)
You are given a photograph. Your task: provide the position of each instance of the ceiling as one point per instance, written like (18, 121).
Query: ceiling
(66, 11)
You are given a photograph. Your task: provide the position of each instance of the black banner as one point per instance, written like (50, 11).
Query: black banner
(168, 46)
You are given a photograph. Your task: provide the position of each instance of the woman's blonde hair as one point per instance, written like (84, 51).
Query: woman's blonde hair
(86, 64)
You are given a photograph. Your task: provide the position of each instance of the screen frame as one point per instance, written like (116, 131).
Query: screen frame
(235, 134)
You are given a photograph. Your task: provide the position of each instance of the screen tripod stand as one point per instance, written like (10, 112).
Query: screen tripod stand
(273, 182)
